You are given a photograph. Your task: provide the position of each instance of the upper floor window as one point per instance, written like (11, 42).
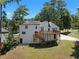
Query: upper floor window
(49, 25)
(23, 32)
(26, 26)
(48, 29)
(36, 27)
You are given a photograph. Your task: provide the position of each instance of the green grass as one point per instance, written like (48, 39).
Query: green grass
(74, 34)
(62, 51)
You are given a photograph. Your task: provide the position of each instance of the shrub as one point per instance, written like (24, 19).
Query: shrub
(8, 45)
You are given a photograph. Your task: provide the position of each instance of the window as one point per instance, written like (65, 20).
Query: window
(36, 27)
(26, 26)
(36, 32)
(23, 32)
(21, 40)
(48, 29)
(49, 25)
(55, 36)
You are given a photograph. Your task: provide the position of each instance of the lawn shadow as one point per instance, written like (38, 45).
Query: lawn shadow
(6, 49)
(48, 45)
(65, 33)
(76, 50)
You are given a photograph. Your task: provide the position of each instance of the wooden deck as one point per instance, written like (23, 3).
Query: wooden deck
(49, 32)
(40, 35)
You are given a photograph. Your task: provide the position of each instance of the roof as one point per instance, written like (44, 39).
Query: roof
(39, 23)
(4, 30)
(53, 25)
(31, 23)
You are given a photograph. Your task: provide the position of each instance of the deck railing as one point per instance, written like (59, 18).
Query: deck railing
(49, 32)
(40, 34)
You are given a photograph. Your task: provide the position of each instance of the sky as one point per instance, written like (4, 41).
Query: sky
(35, 6)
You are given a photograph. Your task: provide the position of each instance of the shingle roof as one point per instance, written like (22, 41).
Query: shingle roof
(4, 30)
(52, 24)
(31, 23)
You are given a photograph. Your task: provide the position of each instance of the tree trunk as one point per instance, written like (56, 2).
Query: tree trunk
(0, 17)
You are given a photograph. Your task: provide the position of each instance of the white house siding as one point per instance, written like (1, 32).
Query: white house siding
(2, 38)
(58, 36)
(50, 37)
(3, 35)
(28, 36)
(45, 25)
(54, 26)
(47, 37)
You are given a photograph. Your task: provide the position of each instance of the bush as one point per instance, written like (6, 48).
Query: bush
(8, 45)
(76, 50)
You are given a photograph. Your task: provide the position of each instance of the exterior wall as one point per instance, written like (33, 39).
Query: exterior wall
(53, 26)
(3, 38)
(49, 37)
(28, 36)
(45, 25)
(58, 36)
(5, 35)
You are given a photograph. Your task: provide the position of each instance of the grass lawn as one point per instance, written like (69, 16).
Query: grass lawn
(74, 34)
(62, 51)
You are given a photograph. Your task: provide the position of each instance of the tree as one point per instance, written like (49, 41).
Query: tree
(78, 10)
(5, 20)
(66, 19)
(20, 13)
(76, 20)
(18, 18)
(44, 14)
(3, 3)
(53, 11)
(48, 13)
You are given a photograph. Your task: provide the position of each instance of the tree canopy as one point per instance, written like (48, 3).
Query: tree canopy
(18, 18)
(56, 12)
